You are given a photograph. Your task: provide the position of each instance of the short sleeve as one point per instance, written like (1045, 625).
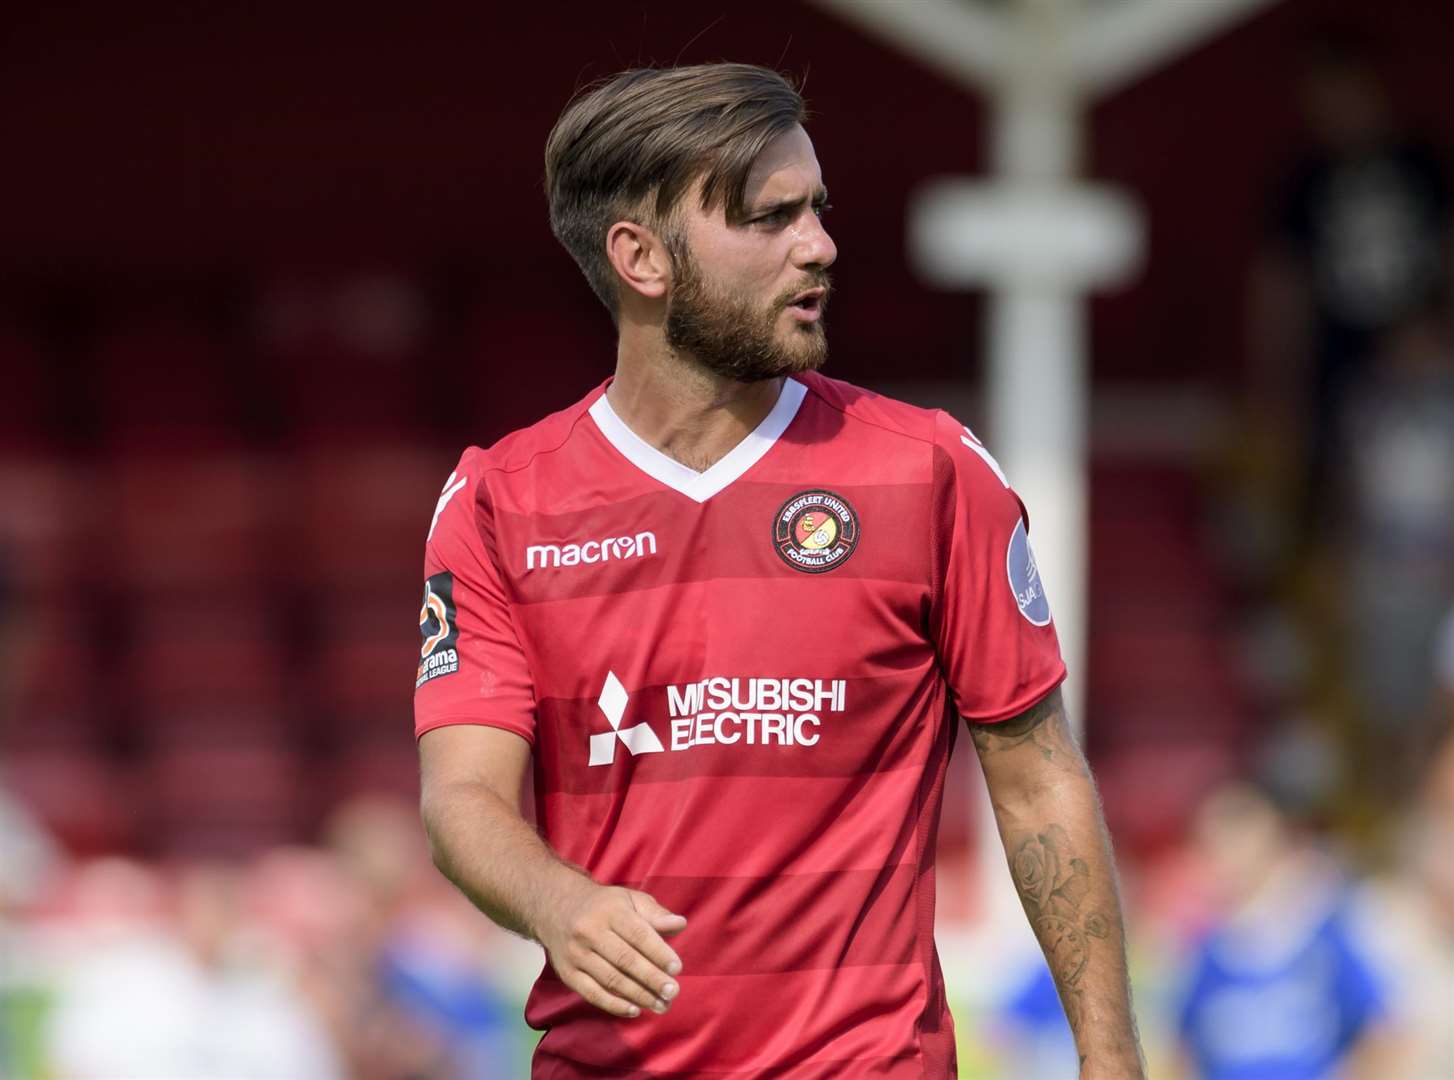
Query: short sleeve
(991, 618)
(472, 669)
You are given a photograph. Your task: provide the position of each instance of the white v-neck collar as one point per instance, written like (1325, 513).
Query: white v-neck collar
(700, 486)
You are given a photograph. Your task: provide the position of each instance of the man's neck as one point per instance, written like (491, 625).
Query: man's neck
(688, 413)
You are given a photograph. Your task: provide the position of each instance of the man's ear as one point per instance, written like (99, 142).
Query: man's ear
(640, 259)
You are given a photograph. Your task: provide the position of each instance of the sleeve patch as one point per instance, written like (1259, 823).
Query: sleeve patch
(1024, 578)
(439, 634)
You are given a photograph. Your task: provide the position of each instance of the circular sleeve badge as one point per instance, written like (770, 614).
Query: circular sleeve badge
(1024, 578)
(815, 531)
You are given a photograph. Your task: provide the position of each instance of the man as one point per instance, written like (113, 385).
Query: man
(727, 613)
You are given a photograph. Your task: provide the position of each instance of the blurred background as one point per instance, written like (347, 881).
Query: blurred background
(266, 269)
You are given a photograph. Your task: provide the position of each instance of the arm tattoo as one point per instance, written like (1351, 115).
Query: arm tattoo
(1043, 726)
(1061, 863)
(1053, 888)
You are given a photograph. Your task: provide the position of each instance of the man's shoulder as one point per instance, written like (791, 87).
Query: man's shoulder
(888, 414)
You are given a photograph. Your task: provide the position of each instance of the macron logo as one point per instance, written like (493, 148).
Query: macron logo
(545, 556)
(639, 738)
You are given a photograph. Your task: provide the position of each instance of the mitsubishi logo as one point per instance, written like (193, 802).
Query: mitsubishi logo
(639, 738)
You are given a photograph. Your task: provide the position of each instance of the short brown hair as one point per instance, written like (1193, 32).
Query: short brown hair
(634, 143)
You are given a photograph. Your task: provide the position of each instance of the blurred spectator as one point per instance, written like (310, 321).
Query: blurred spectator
(1399, 529)
(1360, 244)
(29, 857)
(1279, 986)
(30, 861)
(404, 976)
(163, 978)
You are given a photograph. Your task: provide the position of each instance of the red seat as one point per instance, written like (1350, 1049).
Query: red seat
(368, 657)
(379, 766)
(364, 673)
(191, 524)
(224, 799)
(347, 356)
(360, 517)
(168, 672)
(85, 799)
(55, 693)
(46, 529)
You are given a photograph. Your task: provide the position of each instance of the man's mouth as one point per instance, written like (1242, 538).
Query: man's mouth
(810, 302)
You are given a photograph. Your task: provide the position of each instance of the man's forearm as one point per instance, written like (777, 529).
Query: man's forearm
(483, 845)
(1061, 862)
(604, 942)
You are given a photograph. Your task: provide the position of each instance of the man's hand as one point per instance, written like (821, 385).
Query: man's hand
(606, 943)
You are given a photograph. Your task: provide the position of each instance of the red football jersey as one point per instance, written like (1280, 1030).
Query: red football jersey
(741, 690)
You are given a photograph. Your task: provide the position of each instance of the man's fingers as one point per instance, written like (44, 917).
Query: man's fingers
(619, 985)
(647, 906)
(644, 938)
(624, 957)
(662, 921)
(582, 983)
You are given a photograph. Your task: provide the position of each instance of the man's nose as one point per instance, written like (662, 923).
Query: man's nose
(814, 248)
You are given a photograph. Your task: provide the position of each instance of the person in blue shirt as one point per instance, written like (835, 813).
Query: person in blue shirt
(1280, 986)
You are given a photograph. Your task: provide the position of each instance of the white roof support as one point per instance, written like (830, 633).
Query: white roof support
(1108, 44)
(966, 42)
(1122, 42)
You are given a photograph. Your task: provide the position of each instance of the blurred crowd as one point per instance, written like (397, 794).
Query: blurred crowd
(351, 958)
(1261, 947)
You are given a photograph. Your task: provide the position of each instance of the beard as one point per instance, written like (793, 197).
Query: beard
(736, 339)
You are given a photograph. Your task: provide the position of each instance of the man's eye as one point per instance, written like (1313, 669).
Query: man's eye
(822, 208)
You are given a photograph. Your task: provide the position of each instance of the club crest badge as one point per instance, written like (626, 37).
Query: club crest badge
(815, 531)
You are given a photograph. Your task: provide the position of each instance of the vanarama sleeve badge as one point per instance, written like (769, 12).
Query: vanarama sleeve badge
(437, 652)
(815, 531)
